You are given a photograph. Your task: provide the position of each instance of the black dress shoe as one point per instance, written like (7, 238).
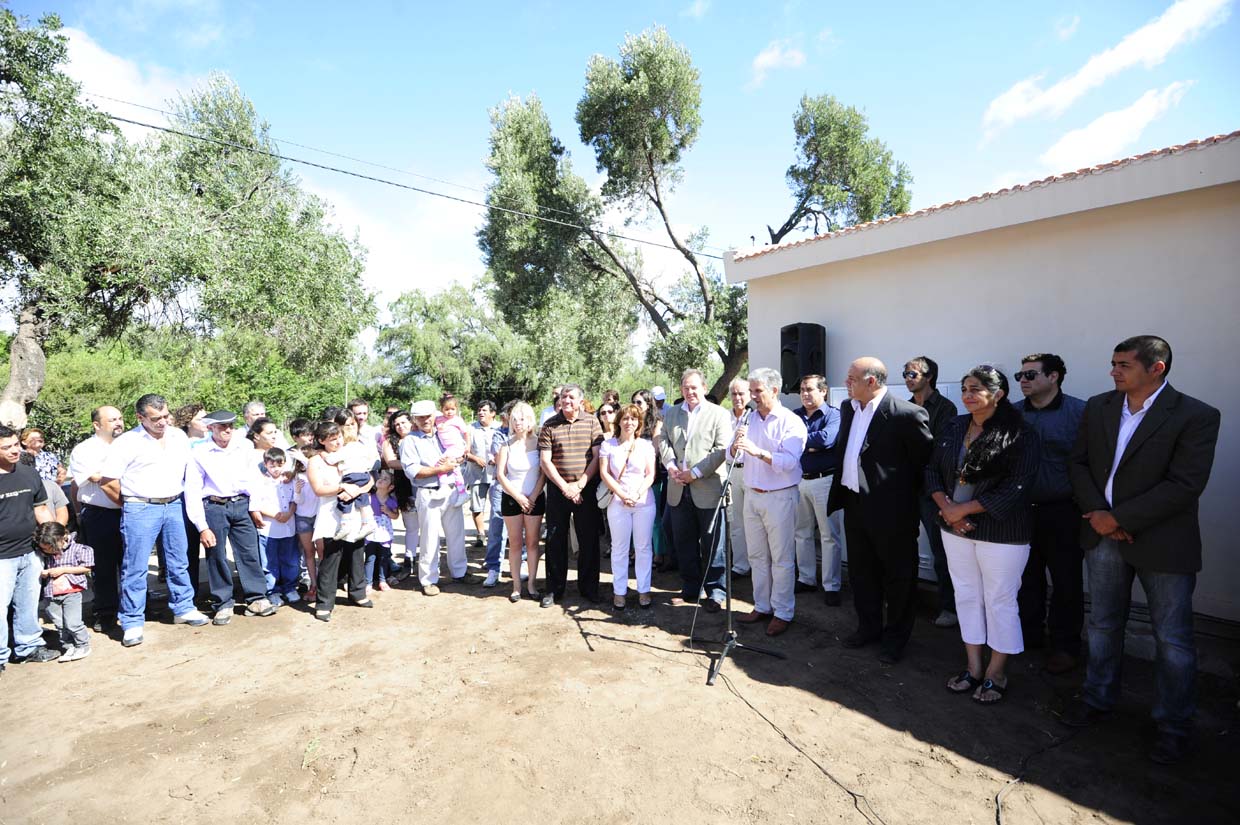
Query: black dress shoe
(547, 600)
(890, 655)
(1080, 714)
(364, 603)
(1169, 749)
(802, 587)
(858, 639)
(831, 598)
(711, 606)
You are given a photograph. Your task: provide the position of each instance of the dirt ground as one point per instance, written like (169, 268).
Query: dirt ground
(467, 708)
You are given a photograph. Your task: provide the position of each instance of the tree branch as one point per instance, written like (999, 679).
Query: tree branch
(634, 283)
(708, 298)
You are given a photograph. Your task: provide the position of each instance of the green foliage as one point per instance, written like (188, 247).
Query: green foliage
(641, 113)
(840, 176)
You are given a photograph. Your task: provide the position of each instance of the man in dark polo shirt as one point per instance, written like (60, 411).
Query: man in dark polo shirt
(921, 377)
(22, 506)
(568, 452)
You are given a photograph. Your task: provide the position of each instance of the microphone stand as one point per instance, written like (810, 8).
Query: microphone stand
(730, 640)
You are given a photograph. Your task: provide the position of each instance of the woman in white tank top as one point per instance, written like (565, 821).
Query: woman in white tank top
(522, 504)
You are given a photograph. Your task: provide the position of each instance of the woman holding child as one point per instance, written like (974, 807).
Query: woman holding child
(326, 479)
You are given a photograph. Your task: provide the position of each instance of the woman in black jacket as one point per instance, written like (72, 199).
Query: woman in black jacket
(980, 476)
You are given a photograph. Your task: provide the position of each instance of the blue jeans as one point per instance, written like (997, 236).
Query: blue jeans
(19, 586)
(497, 531)
(380, 556)
(930, 521)
(282, 558)
(141, 525)
(1170, 597)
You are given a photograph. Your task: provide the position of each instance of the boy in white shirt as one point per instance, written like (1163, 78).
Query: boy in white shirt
(273, 509)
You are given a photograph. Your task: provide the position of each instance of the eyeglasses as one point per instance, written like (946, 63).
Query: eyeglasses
(1026, 375)
(606, 411)
(911, 374)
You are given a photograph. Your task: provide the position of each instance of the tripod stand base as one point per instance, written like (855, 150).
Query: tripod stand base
(731, 642)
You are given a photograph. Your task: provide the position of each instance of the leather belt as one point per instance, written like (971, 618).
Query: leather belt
(779, 490)
(225, 499)
(145, 500)
(812, 476)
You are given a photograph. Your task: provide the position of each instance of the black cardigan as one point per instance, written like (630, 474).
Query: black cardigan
(1005, 495)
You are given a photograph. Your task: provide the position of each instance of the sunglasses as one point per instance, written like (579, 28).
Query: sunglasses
(911, 374)
(607, 411)
(1026, 375)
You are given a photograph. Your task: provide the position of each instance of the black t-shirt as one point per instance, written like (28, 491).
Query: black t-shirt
(20, 491)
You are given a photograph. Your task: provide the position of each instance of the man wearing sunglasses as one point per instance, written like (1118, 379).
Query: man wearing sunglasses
(921, 377)
(1056, 418)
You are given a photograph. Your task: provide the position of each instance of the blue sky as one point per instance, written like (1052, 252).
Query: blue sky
(972, 99)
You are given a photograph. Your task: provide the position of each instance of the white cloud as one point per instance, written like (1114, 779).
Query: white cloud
(101, 72)
(779, 54)
(826, 39)
(1066, 26)
(697, 9)
(1112, 135)
(1148, 46)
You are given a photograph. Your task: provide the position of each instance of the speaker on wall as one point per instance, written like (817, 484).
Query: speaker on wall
(802, 351)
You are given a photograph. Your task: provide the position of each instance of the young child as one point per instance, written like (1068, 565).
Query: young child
(379, 544)
(272, 502)
(355, 461)
(307, 508)
(453, 436)
(66, 565)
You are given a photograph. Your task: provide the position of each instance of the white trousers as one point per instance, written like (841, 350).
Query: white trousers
(736, 522)
(437, 518)
(811, 510)
(769, 527)
(624, 522)
(986, 577)
(410, 520)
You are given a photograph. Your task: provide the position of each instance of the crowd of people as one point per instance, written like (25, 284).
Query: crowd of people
(1007, 492)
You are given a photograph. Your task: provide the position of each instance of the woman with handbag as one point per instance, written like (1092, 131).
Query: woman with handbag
(522, 503)
(980, 476)
(626, 467)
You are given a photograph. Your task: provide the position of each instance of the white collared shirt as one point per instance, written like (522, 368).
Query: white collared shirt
(850, 467)
(87, 459)
(782, 434)
(1128, 423)
(146, 467)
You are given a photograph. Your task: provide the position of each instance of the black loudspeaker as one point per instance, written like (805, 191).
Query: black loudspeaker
(802, 351)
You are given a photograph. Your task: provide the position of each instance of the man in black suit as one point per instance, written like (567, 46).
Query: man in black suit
(884, 444)
(1140, 463)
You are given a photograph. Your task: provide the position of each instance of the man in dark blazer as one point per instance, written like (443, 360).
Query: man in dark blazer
(884, 443)
(1140, 463)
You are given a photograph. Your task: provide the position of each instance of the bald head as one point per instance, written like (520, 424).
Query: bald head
(866, 376)
(107, 422)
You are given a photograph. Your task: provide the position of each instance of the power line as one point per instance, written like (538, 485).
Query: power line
(377, 179)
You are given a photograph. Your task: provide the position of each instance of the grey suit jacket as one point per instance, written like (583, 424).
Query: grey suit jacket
(703, 450)
(1160, 477)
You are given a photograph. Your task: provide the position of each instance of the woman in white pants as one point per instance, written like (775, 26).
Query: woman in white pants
(522, 504)
(980, 476)
(626, 466)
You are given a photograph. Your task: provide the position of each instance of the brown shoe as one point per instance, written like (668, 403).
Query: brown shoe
(777, 626)
(753, 617)
(1059, 662)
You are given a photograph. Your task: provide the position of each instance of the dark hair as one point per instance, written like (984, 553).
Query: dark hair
(344, 415)
(359, 402)
(1150, 350)
(820, 383)
(931, 369)
(1050, 363)
(325, 429)
(26, 458)
(257, 427)
(6, 431)
(632, 411)
(300, 426)
(50, 534)
(274, 454)
(445, 398)
(1000, 431)
(610, 397)
(486, 402)
(330, 413)
(183, 415)
(651, 415)
(150, 401)
(391, 420)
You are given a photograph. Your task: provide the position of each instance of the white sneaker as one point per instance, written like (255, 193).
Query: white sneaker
(69, 654)
(193, 618)
(132, 637)
(492, 578)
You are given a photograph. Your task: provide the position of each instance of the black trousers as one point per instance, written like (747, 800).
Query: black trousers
(1055, 548)
(882, 569)
(193, 551)
(101, 530)
(585, 516)
(334, 554)
(694, 547)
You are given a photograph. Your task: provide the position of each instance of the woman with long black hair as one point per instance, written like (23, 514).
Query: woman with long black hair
(652, 427)
(327, 483)
(980, 476)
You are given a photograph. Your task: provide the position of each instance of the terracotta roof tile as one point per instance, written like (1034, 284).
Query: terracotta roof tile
(1091, 170)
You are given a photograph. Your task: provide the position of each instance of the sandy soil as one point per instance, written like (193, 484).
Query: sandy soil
(466, 708)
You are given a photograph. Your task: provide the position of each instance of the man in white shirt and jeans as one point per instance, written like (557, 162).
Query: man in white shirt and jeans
(772, 445)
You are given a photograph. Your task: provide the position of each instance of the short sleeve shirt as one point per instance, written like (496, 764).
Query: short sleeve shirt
(21, 490)
(570, 443)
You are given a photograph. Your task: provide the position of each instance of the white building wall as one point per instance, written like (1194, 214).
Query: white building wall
(1074, 285)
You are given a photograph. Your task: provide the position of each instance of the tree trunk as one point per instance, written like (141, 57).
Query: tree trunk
(731, 368)
(27, 370)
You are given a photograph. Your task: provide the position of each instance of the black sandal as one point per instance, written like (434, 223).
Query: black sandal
(998, 690)
(970, 683)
